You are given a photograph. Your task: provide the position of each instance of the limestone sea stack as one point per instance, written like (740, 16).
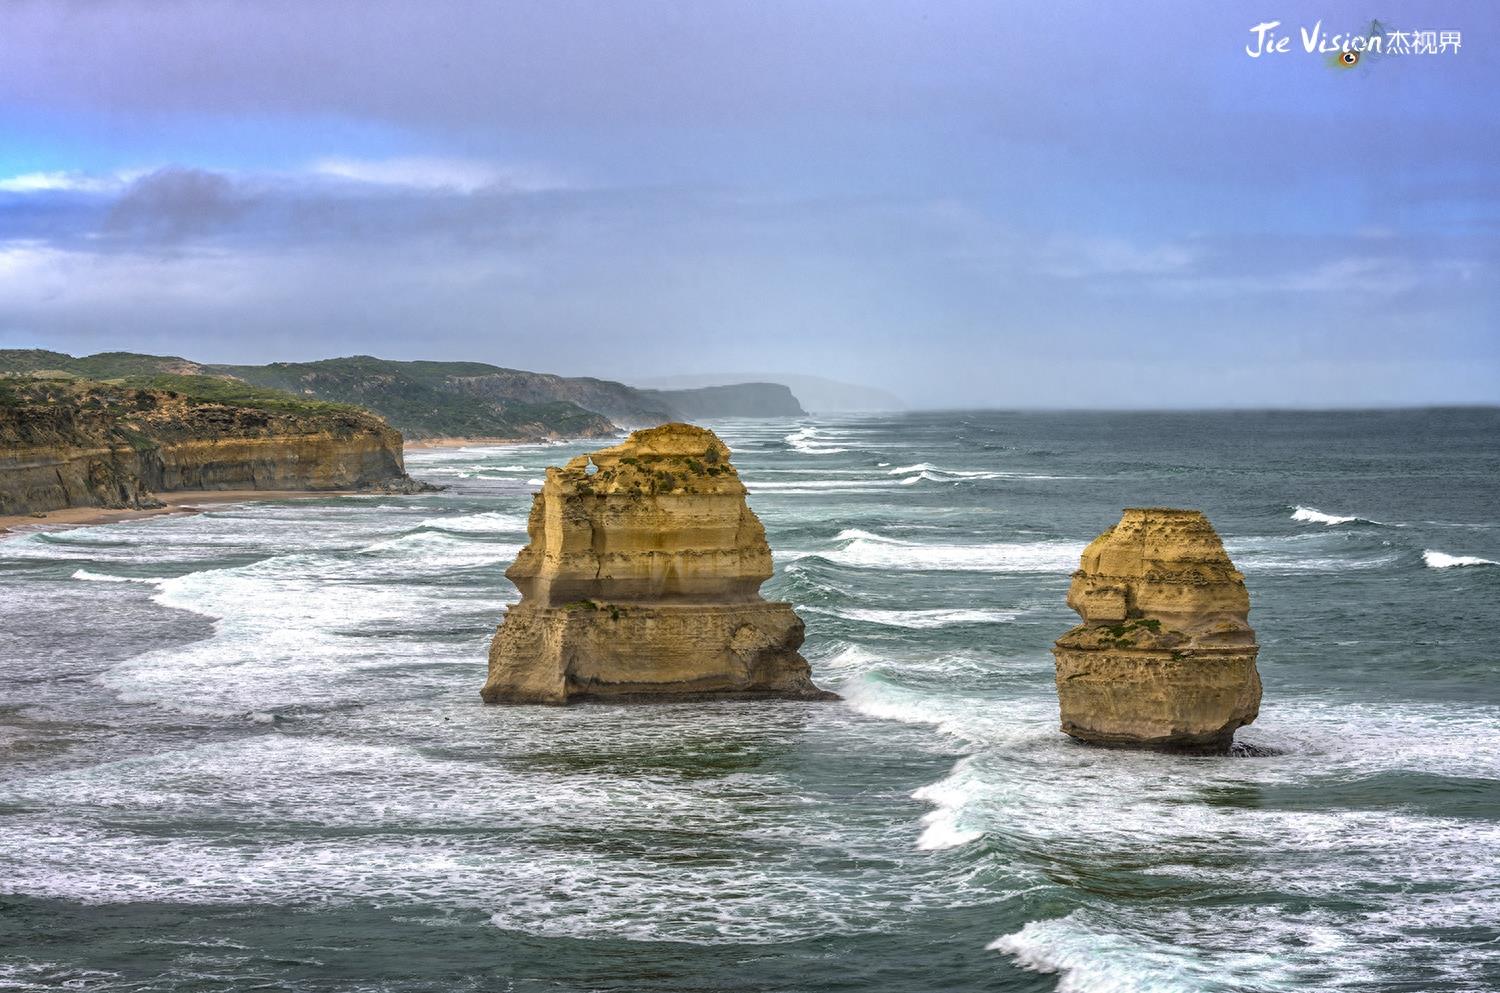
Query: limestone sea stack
(1165, 656)
(642, 581)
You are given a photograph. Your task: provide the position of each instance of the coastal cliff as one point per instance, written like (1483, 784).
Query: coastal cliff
(71, 443)
(1165, 656)
(642, 581)
(737, 400)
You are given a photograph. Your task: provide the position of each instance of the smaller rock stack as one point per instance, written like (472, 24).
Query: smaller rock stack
(1165, 656)
(642, 582)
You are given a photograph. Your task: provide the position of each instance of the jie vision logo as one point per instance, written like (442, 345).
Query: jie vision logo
(1348, 49)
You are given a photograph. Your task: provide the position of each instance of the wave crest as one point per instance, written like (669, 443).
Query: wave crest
(805, 440)
(1312, 515)
(1442, 560)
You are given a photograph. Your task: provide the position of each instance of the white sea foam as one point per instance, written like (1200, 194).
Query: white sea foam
(291, 632)
(1086, 961)
(856, 534)
(848, 659)
(919, 619)
(482, 523)
(943, 827)
(431, 551)
(100, 577)
(1034, 556)
(1312, 515)
(756, 485)
(927, 471)
(508, 863)
(805, 440)
(1441, 560)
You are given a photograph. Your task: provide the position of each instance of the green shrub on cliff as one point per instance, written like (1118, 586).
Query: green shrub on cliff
(237, 394)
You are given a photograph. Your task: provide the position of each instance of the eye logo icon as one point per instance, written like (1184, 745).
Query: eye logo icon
(1349, 58)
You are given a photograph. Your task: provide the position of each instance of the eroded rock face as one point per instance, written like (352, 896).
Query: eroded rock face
(1165, 656)
(83, 444)
(642, 581)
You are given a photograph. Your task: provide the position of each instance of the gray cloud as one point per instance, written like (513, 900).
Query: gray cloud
(173, 204)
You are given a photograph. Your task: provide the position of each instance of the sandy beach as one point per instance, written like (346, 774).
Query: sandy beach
(183, 502)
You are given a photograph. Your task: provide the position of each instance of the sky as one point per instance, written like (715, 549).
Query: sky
(1003, 204)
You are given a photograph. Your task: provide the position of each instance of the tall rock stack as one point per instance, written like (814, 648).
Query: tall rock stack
(1165, 656)
(642, 581)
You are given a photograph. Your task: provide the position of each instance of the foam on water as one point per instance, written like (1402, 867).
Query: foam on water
(490, 521)
(1033, 556)
(341, 757)
(806, 441)
(99, 577)
(292, 632)
(943, 827)
(919, 619)
(1441, 560)
(1312, 515)
(431, 552)
(486, 849)
(1087, 961)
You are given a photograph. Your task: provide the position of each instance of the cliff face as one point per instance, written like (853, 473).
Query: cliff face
(738, 400)
(80, 444)
(642, 580)
(616, 401)
(1165, 656)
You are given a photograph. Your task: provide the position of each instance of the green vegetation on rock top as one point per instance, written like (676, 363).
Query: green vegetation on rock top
(421, 399)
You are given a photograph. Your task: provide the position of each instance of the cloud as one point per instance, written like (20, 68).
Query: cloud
(53, 182)
(174, 204)
(428, 173)
(954, 201)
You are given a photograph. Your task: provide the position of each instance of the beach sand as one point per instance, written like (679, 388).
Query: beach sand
(182, 502)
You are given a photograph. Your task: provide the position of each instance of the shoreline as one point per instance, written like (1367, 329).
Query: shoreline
(178, 502)
(422, 443)
(486, 442)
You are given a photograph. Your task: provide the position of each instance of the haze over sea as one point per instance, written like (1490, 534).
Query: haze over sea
(244, 749)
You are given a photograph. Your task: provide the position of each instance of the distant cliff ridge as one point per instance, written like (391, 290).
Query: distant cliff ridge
(453, 399)
(816, 393)
(426, 400)
(739, 400)
(420, 399)
(72, 443)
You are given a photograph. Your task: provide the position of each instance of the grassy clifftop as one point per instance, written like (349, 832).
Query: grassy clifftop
(71, 442)
(421, 399)
(75, 412)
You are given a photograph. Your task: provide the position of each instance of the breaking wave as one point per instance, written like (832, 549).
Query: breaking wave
(99, 577)
(490, 522)
(1312, 515)
(872, 551)
(805, 440)
(1442, 560)
(919, 619)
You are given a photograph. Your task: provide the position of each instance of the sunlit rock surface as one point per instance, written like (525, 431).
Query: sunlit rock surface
(642, 581)
(1165, 656)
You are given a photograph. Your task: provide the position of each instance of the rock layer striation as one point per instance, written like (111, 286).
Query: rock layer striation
(1165, 656)
(82, 444)
(642, 581)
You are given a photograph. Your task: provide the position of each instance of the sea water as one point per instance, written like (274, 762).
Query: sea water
(244, 749)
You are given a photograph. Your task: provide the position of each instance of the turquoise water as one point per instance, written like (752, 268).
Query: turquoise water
(243, 750)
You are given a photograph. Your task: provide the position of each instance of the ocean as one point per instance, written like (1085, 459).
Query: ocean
(244, 749)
